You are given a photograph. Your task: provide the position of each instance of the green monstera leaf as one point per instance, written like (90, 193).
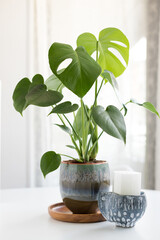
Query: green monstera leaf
(81, 73)
(34, 93)
(111, 121)
(110, 39)
(88, 41)
(20, 93)
(149, 106)
(50, 161)
(65, 107)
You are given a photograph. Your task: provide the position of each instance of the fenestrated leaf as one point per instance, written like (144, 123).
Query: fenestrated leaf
(53, 83)
(109, 77)
(50, 161)
(109, 38)
(113, 38)
(149, 106)
(111, 121)
(65, 107)
(88, 41)
(34, 93)
(19, 94)
(64, 128)
(81, 73)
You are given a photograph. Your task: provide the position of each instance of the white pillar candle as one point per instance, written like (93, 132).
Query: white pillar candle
(127, 183)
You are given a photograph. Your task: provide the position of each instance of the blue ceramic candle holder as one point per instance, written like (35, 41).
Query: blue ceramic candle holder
(124, 210)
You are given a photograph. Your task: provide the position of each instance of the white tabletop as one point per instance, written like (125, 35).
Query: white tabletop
(24, 216)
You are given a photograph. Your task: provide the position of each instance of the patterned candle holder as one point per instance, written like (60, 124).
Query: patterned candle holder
(124, 210)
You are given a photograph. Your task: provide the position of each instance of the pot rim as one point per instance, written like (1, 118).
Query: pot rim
(84, 163)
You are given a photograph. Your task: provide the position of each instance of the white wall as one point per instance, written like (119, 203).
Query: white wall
(13, 67)
(17, 50)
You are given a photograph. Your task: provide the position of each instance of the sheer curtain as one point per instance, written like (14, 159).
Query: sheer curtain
(152, 166)
(39, 124)
(63, 21)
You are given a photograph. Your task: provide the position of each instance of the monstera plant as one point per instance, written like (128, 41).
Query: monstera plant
(83, 73)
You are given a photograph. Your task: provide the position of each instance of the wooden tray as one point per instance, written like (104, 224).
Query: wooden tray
(60, 212)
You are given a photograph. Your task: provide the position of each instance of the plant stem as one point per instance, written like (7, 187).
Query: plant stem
(95, 144)
(94, 104)
(60, 117)
(86, 152)
(91, 149)
(125, 104)
(95, 101)
(73, 141)
(77, 128)
(73, 129)
(76, 146)
(78, 160)
(83, 129)
(59, 87)
(96, 79)
(85, 109)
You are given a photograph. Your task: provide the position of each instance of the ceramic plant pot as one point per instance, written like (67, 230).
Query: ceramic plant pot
(80, 184)
(124, 210)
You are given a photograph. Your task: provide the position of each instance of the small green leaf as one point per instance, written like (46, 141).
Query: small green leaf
(81, 73)
(34, 93)
(50, 161)
(19, 94)
(36, 80)
(39, 96)
(70, 146)
(64, 128)
(111, 121)
(65, 107)
(149, 106)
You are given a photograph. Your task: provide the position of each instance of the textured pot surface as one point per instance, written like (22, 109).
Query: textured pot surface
(124, 210)
(80, 184)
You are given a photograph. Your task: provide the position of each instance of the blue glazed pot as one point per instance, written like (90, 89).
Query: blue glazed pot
(124, 210)
(80, 184)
